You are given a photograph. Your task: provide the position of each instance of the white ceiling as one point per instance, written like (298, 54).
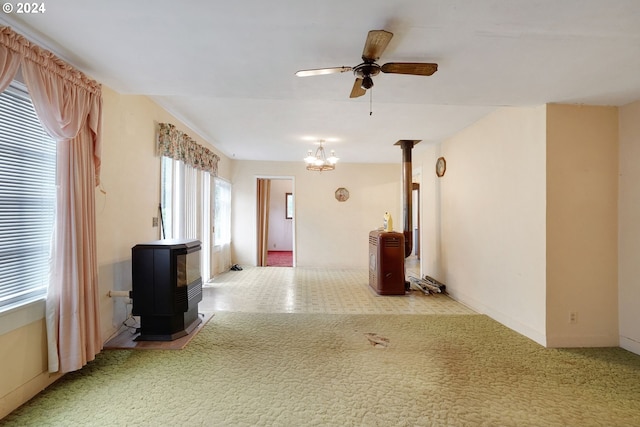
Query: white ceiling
(226, 68)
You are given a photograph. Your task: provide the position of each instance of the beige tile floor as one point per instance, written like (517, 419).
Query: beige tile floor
(315, 290)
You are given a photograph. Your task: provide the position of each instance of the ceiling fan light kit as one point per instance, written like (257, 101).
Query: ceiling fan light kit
(376, 43)
(367, 83)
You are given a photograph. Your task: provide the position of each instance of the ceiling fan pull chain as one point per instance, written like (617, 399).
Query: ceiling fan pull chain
(370, 101)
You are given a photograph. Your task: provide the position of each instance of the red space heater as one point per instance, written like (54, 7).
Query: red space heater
(386, 262)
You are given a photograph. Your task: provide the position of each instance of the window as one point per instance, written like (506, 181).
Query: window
(185, 200)
(222, 212)
(288, 205)
(27, 199)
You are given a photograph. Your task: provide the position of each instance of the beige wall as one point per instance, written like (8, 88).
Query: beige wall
(629, 228)
(525, 221)
(24, 359)
(130, 179)
(582, 192)
(488, 215)
(327, 233)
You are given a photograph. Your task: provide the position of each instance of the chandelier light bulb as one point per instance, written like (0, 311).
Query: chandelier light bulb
(332, 158)
(310, 157)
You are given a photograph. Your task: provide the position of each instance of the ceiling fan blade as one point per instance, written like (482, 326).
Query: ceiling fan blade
(377, 41)
(414, 68)
(357, 89)
(321, 71)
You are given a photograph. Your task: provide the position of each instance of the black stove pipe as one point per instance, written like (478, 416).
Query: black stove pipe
(407, 200)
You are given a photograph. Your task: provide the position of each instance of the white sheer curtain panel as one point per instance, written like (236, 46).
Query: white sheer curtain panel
(222, 226)
(192, 198)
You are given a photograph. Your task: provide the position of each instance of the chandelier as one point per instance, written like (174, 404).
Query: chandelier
(319, 161)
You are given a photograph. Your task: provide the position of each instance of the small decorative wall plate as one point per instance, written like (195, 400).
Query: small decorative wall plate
(342, 194)
(441, 166)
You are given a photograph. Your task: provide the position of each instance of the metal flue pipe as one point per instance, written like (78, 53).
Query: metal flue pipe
(407, 200)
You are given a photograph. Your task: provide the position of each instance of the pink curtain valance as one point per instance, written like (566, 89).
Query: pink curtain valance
(9, 63)
(44, 58)
(177, 145)
(63, 96)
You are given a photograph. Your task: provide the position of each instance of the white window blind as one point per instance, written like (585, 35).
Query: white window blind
(27, 199)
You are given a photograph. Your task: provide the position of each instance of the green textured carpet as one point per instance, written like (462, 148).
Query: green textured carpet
(373, 370)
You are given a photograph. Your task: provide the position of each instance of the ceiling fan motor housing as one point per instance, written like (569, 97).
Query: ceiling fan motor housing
(366, 69)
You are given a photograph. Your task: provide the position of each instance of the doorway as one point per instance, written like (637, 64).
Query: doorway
(275, 222)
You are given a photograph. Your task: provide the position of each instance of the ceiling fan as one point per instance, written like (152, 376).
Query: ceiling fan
(377, 41)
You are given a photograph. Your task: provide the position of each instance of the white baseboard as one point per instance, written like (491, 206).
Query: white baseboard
(499, 317)
(582, 341)
(630, 345)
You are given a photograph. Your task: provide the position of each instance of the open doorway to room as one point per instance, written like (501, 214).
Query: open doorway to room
(276, 219)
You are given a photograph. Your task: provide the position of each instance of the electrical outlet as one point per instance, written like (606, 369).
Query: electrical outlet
(573, 317)
(154, 221)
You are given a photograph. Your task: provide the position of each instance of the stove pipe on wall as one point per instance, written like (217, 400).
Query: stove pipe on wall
(407, 180)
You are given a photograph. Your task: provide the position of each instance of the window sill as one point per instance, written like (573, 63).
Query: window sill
(15, 317)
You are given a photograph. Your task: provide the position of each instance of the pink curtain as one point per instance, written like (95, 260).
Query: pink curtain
(69, 106)
(9, 63)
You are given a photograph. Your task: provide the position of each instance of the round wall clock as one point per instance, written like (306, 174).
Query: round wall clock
(441, 166)
(342, 194)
